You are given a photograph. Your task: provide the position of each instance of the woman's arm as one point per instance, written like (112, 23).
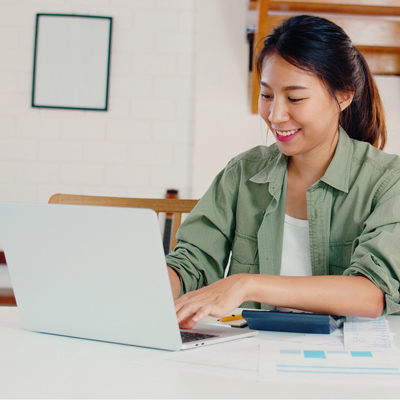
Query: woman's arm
(175, 283)
(339, 295)
(205, 236)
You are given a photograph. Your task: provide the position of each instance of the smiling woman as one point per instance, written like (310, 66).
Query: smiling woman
(313, 221)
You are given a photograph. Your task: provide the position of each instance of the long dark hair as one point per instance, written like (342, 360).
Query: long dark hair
(321, 47)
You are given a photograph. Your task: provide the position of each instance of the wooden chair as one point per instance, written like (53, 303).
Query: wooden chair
(6, 294)
(173, 207)
(7, 297)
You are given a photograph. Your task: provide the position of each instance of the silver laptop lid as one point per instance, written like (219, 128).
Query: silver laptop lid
(90, 272)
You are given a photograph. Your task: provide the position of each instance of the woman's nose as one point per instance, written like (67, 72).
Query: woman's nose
(278, 113)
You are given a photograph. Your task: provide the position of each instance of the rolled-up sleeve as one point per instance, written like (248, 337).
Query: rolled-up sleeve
(376, 252)
(205, 237)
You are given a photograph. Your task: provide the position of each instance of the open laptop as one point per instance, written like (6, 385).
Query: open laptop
(95, 273)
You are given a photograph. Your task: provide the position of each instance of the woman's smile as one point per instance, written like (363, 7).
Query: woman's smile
(285, 136)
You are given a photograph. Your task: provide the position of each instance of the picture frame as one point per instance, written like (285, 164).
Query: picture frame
(71, 66)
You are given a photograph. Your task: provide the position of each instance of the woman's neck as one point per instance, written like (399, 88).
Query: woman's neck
(310, 167)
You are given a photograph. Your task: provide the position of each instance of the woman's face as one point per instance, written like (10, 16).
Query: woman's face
(298, 109)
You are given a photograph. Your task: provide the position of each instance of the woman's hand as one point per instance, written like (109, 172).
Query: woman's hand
(216, 300)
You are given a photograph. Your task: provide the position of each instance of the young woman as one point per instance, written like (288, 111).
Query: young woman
(313, 221)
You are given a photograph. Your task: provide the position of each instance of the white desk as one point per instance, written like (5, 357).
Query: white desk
(34, 365)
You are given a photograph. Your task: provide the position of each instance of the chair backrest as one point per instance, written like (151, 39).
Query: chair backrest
(174, 208)
(6, 293)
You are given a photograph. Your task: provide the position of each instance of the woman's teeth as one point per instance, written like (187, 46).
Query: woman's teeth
(286, 133)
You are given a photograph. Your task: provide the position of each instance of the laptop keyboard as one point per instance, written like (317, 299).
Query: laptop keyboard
(192, 336)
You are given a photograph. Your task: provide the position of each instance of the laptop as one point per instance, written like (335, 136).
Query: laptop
(96, 273)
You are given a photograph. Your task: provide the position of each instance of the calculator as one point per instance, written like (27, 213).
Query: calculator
(289, 321)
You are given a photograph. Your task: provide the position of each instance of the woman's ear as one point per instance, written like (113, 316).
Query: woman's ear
(344, 99)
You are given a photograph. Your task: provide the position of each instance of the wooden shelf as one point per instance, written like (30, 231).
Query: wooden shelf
(363, 7)
(373, 26)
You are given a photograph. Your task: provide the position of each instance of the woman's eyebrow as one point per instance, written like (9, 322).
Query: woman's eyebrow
(286, 88)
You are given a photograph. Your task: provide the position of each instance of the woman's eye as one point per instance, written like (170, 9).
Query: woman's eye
(294, 100)
(266, 96)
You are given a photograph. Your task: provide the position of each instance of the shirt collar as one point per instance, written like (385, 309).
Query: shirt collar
(337, 175)
(273, 171)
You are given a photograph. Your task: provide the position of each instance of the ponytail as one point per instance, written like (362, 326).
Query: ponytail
(364, 119)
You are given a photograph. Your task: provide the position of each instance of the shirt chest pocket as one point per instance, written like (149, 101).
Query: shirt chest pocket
(339, 257)
(244, 255)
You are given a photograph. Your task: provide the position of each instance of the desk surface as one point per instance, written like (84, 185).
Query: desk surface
(35, 365)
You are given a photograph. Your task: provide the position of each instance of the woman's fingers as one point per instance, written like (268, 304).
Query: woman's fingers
(194, 309)
(215, 300)
(187, 323)
(191, 318)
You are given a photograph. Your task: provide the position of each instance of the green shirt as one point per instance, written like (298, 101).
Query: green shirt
(353, 214)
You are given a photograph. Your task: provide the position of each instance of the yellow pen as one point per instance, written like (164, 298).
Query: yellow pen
(231, 318)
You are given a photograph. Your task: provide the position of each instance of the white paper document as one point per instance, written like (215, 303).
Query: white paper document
(314, 363)
(367, 334)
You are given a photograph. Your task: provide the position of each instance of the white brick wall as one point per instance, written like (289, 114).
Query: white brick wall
(169, 82)
(142, 145)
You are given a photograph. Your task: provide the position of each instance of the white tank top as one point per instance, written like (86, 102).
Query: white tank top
(296, 258)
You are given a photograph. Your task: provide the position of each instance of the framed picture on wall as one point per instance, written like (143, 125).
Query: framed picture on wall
(71, 62)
